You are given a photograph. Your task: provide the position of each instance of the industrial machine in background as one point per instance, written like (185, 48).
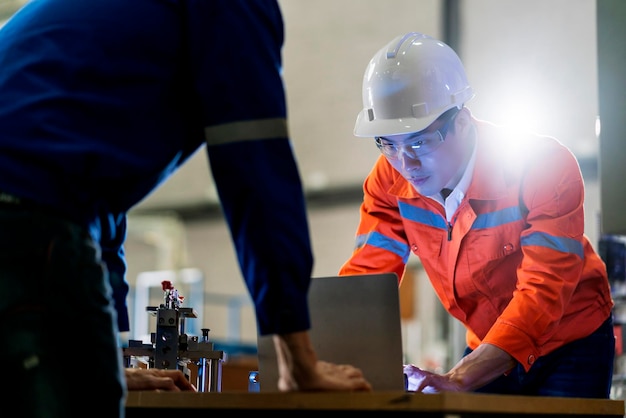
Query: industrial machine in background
(172, 348)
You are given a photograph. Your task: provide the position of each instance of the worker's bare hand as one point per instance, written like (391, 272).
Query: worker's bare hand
(342, 376)
(419, 380)
(300, 370)
(328, 377)
(157, 379)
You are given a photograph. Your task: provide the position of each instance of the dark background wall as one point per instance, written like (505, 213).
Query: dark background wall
(611, 18)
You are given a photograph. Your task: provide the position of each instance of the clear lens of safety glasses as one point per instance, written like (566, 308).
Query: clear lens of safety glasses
(421, 144)
(424, 144)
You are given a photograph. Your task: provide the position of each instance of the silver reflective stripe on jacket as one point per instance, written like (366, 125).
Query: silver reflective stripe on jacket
(246, 130)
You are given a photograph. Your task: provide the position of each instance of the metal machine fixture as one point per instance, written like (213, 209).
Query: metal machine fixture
(172, 348)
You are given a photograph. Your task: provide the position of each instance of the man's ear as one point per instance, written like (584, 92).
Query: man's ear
(463, 122)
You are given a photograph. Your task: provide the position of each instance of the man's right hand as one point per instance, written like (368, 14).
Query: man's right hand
(300, 370)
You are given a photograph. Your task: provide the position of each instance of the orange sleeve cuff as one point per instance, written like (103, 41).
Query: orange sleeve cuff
(515, 342)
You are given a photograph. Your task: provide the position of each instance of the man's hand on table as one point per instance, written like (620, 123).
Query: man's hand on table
(157, 379)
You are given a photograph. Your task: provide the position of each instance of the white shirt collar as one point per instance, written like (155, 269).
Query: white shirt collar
(453, 201)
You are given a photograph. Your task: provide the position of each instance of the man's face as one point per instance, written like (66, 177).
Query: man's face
(430, 159)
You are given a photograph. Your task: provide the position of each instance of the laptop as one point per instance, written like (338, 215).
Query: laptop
(355, 320)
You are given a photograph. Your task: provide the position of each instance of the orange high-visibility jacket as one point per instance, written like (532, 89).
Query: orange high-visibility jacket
(513, 265)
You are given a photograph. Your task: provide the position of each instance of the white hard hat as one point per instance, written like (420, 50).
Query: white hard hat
(408, 84)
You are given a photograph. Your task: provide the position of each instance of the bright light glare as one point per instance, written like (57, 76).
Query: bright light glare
(521, 115)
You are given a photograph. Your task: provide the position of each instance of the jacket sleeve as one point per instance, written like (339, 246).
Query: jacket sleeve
(553, 254)
(380, 244)
(113, 235)
(236, 69)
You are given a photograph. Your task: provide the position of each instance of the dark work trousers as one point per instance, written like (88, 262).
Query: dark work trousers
(580, 369)
(59, 348)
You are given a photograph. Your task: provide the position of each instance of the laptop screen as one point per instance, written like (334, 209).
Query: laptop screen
(355, 320)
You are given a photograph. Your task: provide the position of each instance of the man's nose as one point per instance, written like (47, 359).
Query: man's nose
(408, 158)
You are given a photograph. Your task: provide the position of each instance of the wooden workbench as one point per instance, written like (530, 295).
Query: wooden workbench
(447, 404)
